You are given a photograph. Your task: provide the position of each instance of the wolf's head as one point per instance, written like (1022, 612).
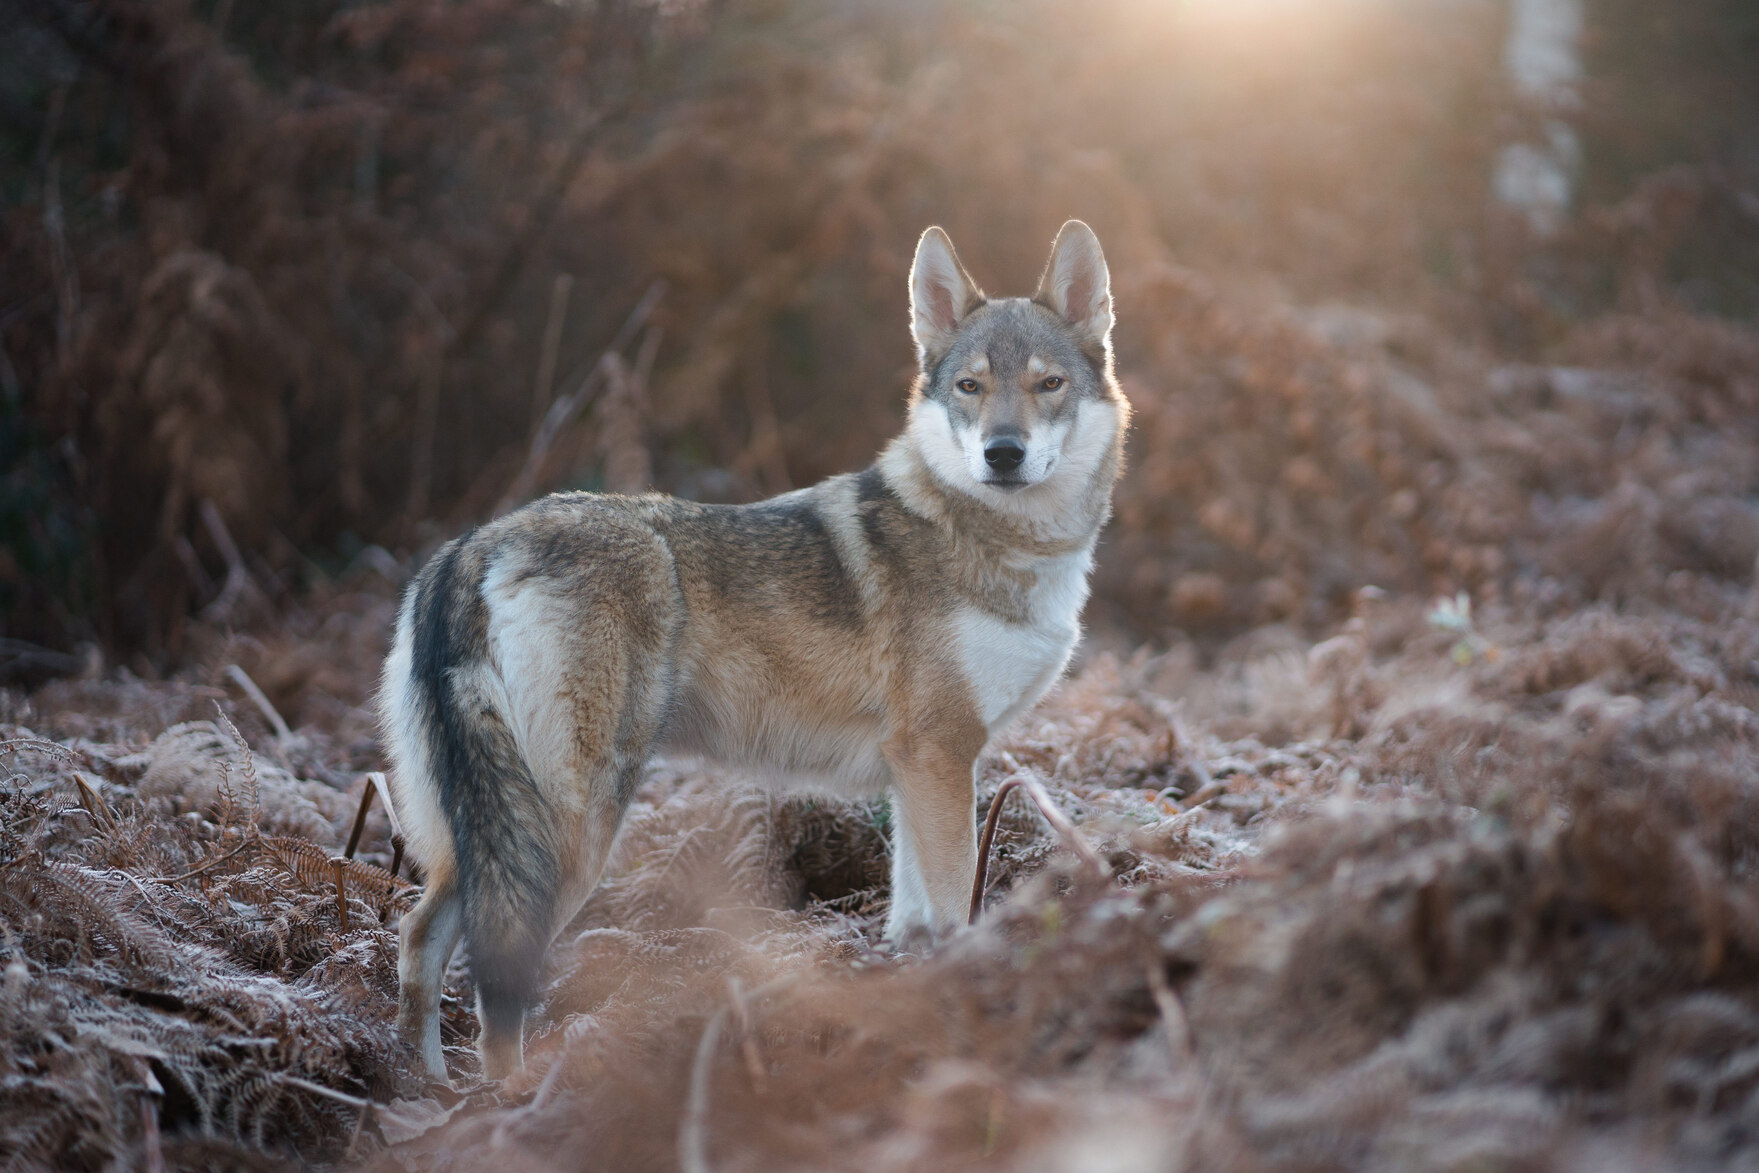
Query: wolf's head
(1015, 404)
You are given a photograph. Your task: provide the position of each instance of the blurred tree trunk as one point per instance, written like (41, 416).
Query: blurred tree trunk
(1543, 56)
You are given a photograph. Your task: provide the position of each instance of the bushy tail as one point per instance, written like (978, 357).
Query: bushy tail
(502, 829)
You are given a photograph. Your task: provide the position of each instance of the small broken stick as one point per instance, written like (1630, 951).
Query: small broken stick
(1059, 823)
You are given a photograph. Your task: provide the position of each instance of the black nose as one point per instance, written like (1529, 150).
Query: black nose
(1004, 455)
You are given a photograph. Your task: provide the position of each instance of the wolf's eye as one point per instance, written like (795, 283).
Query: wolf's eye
(1052, 383)
(969, 386)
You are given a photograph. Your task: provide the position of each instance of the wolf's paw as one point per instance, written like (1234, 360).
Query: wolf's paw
(908, 939)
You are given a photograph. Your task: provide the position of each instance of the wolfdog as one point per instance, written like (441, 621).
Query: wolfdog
(869, 633)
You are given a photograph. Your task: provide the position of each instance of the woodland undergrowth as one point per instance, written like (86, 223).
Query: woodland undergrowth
(1416, 734)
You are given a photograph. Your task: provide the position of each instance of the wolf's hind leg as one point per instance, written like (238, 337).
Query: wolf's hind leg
(581, 686)
(430, 933)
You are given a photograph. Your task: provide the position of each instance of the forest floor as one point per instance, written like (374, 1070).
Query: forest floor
(1451, 883)
(1443, 891)
(1416, 736)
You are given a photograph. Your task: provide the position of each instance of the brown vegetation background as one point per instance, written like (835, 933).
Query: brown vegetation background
(1419, 725)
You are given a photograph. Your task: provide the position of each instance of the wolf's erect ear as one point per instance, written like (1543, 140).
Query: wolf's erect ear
(1077, 285)
(941, 294)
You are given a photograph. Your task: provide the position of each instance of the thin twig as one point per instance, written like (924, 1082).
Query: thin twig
(1172, 1013)
(747, 1044)
(39, 745)
(153, 1156)
(1059, 823)
(367, 1107)
(984, 843)
(215, 524)
(510, 1120)
(585, 384)
(193, 569)
(251, 841)
(340, 867)
(644, 357)
(118, 873)
(319, 1089)
(763, 453)
(360, 1124)
(693, 1132)
(1203, 797)
(551, 1078)
(366, 802)
(545, 383)
(375, 784)
(93, 802)
(260, 700)
(377, 778)
(239, 584)
(620, 443)
(544, 207)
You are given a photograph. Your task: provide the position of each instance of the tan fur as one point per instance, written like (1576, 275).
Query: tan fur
(868, 634)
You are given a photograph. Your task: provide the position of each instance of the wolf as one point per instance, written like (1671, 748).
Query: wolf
(868, 634)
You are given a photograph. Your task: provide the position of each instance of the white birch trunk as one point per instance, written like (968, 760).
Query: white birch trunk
(1543, 56)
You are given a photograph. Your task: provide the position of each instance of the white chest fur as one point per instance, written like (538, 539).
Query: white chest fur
(1010, 665)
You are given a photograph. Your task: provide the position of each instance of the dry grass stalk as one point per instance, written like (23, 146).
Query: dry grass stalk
(584, 388)
(1046, 807)
(543, 383)
(276, 722)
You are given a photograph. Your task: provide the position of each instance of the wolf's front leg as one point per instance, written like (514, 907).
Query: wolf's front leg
(934, 842)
